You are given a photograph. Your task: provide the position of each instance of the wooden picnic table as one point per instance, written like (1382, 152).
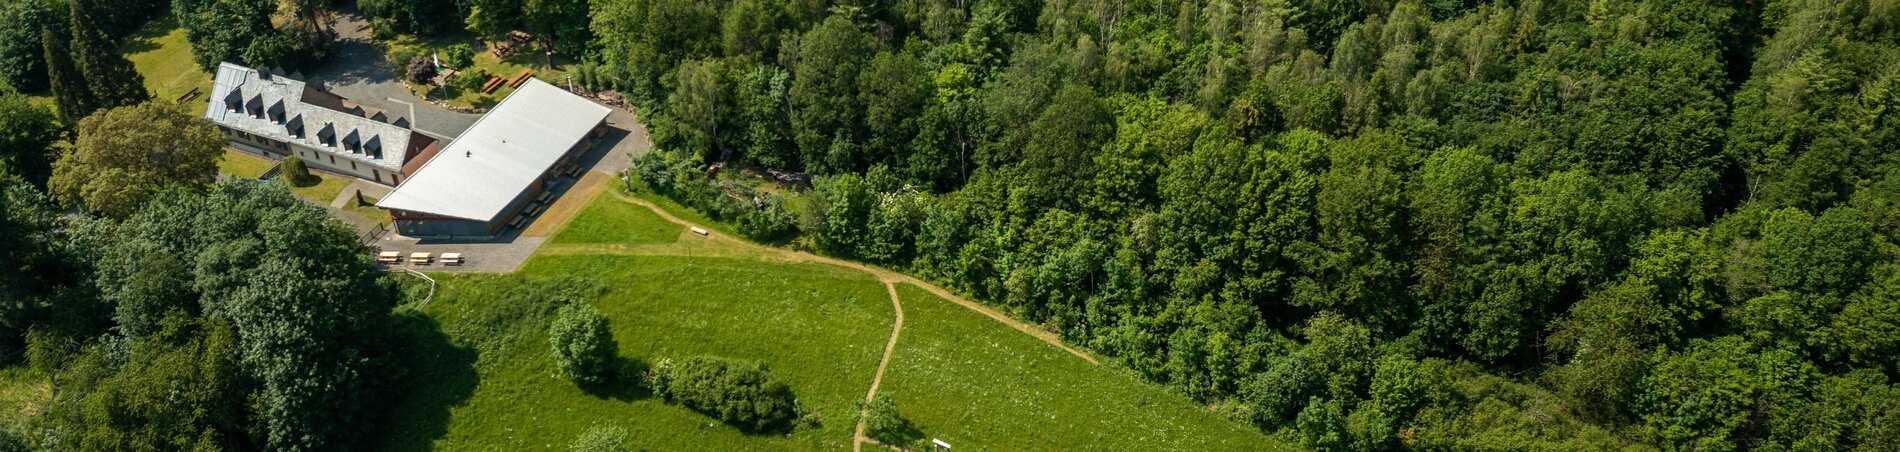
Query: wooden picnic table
(389, 257)
(518, 79)
(451, 258)
(419, 258)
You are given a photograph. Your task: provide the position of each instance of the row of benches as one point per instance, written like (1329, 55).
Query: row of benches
(418, 258)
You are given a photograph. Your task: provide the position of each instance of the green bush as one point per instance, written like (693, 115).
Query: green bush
(771, 222)
(583, 347)
(295, 172)
(459, 56)
(740, 393)
(466, 81)
(882, 422)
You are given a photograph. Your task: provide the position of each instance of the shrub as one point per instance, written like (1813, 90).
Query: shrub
(420, 69)
(583, 348)
(740, 393)
(459, 56)
(881, 421)
(382, 29)
(293, 170)
(771, 222)
(467, 81)
(601, 438)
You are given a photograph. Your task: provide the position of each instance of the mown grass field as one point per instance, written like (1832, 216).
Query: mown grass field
(241, 164)
(964, 378)
(612, 221)
(161, 54)
(821, 329)
(486, 382)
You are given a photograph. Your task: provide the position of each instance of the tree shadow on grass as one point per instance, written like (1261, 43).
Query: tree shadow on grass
(145, 39)
(905, 435)
(625, 385)
(441, 375)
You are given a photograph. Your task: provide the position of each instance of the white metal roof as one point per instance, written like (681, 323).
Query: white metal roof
(479, 173)
(280, 106)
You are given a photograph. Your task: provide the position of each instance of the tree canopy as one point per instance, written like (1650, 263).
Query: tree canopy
(123, 156)
(1369, 224)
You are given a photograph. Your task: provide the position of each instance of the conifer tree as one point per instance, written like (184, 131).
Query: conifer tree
(70, 93)
(110, 77)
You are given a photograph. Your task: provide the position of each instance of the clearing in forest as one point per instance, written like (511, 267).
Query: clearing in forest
(822, 327)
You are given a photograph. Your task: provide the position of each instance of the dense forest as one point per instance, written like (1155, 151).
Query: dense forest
(1361, 224)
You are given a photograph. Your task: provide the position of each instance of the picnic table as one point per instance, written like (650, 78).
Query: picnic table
(518, 79)
(451, 258)
(419, 258)
(389, 257)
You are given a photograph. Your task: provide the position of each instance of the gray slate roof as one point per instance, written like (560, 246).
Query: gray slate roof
(278, 107)
(492, 163)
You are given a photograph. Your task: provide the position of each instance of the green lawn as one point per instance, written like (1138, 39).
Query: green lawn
(242, 164)
(325, 190)
(370, 211)
(23, 393)
(674, 207)
(980, 385)
(607, 219)
(820, 328)
(161, 54)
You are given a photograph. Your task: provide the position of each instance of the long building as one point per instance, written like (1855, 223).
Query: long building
(492, 171)
(276, 116)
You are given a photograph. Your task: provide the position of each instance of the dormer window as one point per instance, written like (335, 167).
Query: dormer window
(374, 147)
(353, 142)
(327, 135)
(295, 127)
(255, 107)
(276, 112)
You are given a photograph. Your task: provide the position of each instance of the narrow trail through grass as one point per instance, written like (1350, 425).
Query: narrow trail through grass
(889, 278)
(880, 273)
(857, 443)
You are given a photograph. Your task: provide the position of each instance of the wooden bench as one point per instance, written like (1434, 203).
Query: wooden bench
(702, 232)
(493, 83)
(516, 223)
(518, 79)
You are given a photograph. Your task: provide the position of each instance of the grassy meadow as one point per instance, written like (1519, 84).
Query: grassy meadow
(161, 54)
(485, 381)
(964, 378)
(819, 328)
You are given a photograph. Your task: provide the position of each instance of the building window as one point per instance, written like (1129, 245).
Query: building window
(352, 165)
(375, 176)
